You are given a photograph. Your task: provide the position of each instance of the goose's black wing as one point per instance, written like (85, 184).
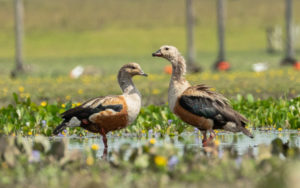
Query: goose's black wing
(201, 101)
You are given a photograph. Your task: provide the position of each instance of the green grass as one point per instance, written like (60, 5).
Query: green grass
(108, 34)
(109, 65)
(97, 14)
(273, 83)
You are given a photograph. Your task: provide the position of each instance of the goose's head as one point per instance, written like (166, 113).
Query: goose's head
(132, 69)
(167, 52)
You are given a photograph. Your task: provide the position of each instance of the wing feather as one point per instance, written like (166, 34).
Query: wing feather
(94, 106)
(201, 101)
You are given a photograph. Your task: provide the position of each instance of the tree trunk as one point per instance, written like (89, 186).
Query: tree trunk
(19, 29)
(289, 59)
(190, 18)
(221, 33)
(221, 29)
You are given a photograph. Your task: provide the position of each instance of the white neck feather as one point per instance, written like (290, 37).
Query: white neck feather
(132, 96)
(178, 83)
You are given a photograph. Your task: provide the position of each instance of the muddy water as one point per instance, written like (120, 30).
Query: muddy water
(241, 142)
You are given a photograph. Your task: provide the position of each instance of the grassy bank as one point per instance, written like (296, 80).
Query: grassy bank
(273, 83)
(101, 34)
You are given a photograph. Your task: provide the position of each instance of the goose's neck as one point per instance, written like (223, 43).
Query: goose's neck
(132, 96)
(178, 68)
(178, 83)
(126, 84)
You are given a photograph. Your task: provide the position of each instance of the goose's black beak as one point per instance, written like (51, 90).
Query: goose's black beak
(157, 53)
(144, 74)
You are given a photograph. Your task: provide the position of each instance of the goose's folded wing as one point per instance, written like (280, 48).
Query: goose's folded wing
(197, 105)
(201, 101)
(96, 105)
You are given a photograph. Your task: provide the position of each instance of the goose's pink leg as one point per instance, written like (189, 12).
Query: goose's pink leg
(104, 139)
(205, 141)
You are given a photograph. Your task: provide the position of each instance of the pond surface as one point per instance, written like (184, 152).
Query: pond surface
(239, 141)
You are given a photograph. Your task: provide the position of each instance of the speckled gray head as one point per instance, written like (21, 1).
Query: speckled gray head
(167, 52)
(133, 69)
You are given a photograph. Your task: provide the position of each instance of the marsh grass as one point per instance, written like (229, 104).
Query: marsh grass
(28, 118)
(273, 83)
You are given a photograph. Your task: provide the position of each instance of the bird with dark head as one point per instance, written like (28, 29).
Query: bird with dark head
(105, 114)
(198, 105)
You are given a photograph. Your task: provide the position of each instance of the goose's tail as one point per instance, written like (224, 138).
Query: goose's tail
(60, 127)
(246, 131)
(242, 121)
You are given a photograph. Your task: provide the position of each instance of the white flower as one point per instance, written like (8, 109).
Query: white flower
(292, 108)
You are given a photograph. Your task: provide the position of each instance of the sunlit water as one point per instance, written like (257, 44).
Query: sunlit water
(239, 141)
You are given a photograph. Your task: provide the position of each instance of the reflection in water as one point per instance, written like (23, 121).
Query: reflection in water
(241, 142)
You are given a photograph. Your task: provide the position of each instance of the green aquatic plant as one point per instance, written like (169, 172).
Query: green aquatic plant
(28, 118)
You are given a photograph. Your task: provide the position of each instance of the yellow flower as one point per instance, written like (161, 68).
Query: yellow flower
(4, 165)
(63, 106)
(73, 105)
(280, 129)
(68, 97)
(217, 142)
(155, 91)
(152, 141)
(21, 89)
(44, 103)
(293, 91)
(95, 147)
(29, 133)
(90, 161)
(143, 131)
(78, 104)
(215, 77)
(80, 91)
(160, 161)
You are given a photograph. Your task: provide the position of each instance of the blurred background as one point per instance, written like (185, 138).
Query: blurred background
(98, 36)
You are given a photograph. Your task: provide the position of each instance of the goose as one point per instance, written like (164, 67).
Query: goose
(198, 105)
(109, 113)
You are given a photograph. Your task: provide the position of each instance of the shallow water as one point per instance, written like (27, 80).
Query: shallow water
(239, 141)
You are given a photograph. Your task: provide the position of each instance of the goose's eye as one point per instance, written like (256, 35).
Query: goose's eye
(166, 48)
